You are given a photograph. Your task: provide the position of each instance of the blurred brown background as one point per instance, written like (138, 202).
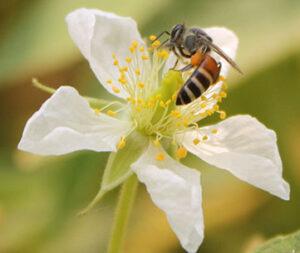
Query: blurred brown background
(40, 196)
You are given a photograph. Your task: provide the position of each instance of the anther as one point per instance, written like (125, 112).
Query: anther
(134, 44)
(222, 78)
(123, 69)
(115, 89)
(196, 141)
(97, 111)
(216, 107)
(141, 85)
(137, 72)
(214, 131)
(163, 54)
(109, 81)
(203, 98)
(203, 105)
(222, 114)
(176, 113)
(122, 80)
(156, 44)
(204, 137)
(181, 152)
(145, 57)
(121, 144)
(152, 37)
(160, 157)
(128, 59)
(223, 94)
(111, 113)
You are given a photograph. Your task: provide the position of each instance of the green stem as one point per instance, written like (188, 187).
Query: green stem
(123, 210)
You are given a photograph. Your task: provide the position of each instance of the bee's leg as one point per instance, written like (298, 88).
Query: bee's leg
(219, 70)
(219, 67)
(174, 67)
(186, 68)
(205, 49)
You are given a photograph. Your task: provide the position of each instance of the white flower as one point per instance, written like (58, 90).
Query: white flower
(123, 64)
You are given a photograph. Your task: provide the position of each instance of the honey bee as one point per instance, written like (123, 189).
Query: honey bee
(185, 42)
(195, 44)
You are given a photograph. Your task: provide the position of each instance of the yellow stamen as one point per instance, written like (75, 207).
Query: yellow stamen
(162, 104)
(137, 72)
(141, 85)
(223, 94)
(132, 49)
(116, 62)
(121, 144)
(176, 114)
(160, 157)
(155, 44)
(111, 113)
(109, 81)
(215, 96)
(216, 107)
(203, 105)
(142, 49)
(115, 89)
(134, 44)
(168, 102)
(222, 114)
(145, 57)
(164, 54)
(222, 78)
(181, 152)
(122, 80)
(124, 69)
(214, 131)
(97, 111)
(203, 98)
(174, 96)
(203, 114)
(205, 138)
(196, 141)
(152, 37)
(128, 59)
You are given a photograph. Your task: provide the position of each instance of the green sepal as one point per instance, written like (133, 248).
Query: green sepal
(118, 169)
(289, 243)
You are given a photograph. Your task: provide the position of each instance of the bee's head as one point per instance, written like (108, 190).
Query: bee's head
(176, 33)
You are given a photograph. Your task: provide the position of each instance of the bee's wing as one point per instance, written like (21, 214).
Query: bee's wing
(220, 52)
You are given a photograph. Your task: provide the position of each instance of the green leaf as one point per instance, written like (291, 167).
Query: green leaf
(281, 244)
(118, 165)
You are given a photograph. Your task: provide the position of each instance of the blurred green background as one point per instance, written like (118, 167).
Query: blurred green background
(40, 196)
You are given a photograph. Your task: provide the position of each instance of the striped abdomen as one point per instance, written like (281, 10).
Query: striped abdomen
(206, 74)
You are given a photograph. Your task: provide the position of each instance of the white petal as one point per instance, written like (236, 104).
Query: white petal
(66, 123)
(98, 35)
(246, 148)
(227, 41)
(175, 189)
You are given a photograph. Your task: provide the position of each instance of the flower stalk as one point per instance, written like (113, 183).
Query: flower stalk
(123, 210)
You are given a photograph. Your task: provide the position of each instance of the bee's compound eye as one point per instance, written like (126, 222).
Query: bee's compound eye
(190, 43)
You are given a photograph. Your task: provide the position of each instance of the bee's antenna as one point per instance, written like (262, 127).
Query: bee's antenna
(161, 34)
(162, 44)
